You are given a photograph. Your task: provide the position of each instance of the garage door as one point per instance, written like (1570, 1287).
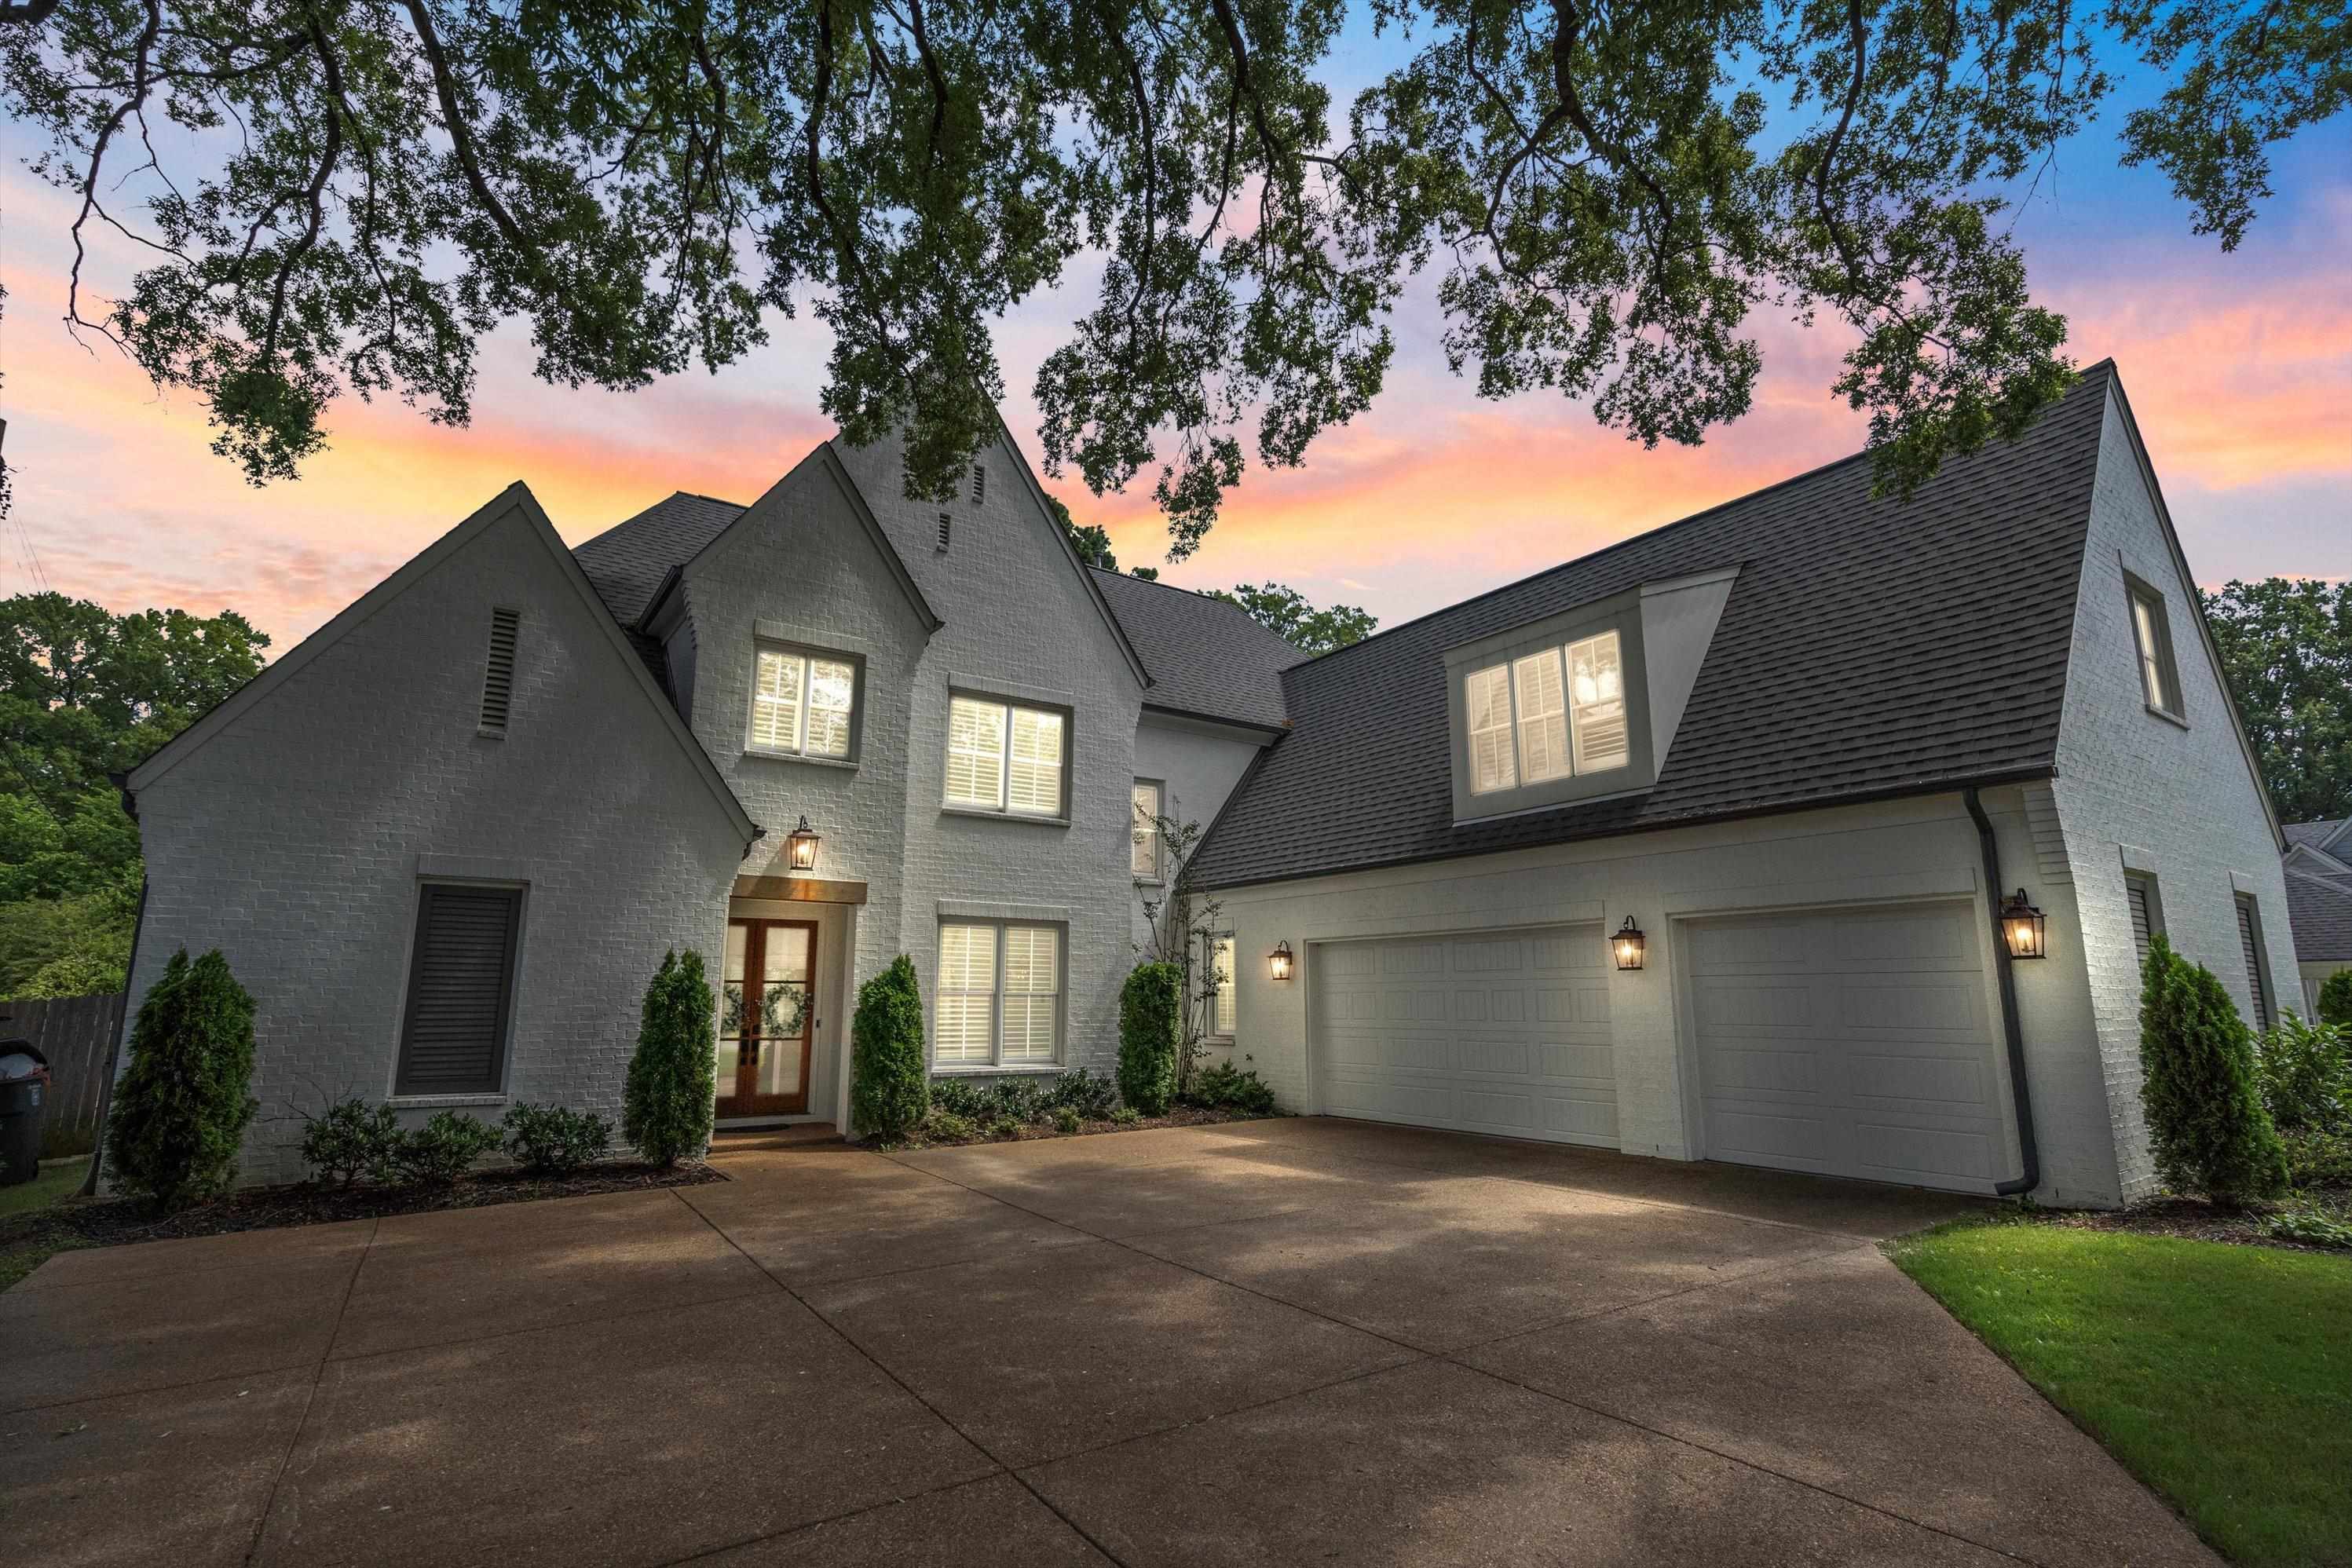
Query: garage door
(1852, 1043)
(1487, 1032)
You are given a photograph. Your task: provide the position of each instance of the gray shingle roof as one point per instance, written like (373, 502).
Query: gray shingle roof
(629, 560)
(1205, 655)
(1868, 648)
(2320, 909)
(2311, 833)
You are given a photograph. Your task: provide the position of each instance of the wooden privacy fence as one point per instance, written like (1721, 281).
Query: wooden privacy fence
(75, 1033)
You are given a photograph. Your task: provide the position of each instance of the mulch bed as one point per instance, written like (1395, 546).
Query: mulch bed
(1029, 1132)
(2194, 1219)
(113, 1221)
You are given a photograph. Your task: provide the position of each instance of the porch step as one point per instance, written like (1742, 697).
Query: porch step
(797, 1135)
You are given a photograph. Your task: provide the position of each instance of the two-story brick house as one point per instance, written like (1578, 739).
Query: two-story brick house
(1817, 831)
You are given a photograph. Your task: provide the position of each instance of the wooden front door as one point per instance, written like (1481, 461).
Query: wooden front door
(767, 1018)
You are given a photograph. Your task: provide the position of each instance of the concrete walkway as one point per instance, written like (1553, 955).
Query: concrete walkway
(1274, 1343)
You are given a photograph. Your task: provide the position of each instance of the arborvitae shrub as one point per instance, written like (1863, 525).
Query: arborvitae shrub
(891, 1088)
(1151, 1025)
(671, 1094)
(2206, 1123)
(180, 1110)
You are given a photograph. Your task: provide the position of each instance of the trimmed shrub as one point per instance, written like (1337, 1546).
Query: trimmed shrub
(437, 1153)
(1222, 1086)
(958, 1097)
(550, 1140)
(1127, 1116)
(890, 1089)
(1091, 1096)
(181, 1111)
(2305, 1072)
(2335, 1000)
(1151, 1028)
(673, 1085)
(1066, 1119)
(949, 1127)
(1005, 1127)
(350, 1140)
(2205, 1119)
(1018, 1100)
(2317, 1159)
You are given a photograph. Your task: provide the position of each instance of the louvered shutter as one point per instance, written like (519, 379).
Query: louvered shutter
(498, 675)
(460, 985)
(2143, 921)
(2257, 983)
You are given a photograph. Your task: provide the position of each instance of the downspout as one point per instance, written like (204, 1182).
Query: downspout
(114, 1052)
(2028, 1153)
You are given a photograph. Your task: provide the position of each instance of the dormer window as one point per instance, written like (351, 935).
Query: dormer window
(1549, 713)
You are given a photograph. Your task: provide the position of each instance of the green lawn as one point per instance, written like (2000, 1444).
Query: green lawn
(21, 1258)
(2220, 1374)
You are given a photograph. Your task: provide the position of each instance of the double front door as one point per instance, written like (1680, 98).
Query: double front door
(767, 1018)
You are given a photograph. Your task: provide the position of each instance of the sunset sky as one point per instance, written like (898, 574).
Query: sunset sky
(2239, 367)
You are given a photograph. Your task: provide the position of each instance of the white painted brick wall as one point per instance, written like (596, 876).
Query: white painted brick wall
(2186, 796)
(291, 840)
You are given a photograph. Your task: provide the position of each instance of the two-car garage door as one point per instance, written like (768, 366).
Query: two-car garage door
(1852, 1043)
(1490, 1031)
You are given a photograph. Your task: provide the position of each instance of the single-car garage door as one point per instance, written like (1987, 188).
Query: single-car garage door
(1852, 1042)
(1484, 1031)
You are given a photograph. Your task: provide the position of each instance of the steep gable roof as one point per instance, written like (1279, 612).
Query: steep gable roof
(627, 563)
(515, 499)
(1869, 648)
(1207, 658)
(2320, 910)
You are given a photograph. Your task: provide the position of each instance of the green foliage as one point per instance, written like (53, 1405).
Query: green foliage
(1005, 1127)
(2336, 998)
(2312, 1226)
(958, 1097)
(1222, 1086)
(1127, 1116)
(1090, 1094)
(437, 1153)
(553, 1140)
(671, 1096)
(2304, 1072)
(889, 1088)
(1607, 192)
(85, 692)
(180, 1112)
(944, 1126)
(1066, 1119)
(2205, 1118)
(349, 1140)
(1150, 1032)
(2286, 653)
(1286, 612)
(2314, 1159)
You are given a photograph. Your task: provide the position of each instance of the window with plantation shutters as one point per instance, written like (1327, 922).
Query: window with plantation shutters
(1000, 994)
(2146, 919)
(2250, 944)
(453, 1035)
(1004, 756)
(1557, 712)
(498, 676)
(804, 704)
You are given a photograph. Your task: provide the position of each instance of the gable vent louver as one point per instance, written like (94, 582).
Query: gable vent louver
(979, 483)
(498, 680)
(945, 524)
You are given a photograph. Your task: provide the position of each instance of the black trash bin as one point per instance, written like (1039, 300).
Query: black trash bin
(23, 1086)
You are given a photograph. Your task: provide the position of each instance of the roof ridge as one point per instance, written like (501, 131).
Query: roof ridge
(2104, 366)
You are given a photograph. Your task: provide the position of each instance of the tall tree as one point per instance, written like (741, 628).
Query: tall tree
(1609, 190)
(2286, 650)
(1287, 612)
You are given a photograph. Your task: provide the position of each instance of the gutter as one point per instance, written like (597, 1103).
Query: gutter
(129, 967)
(2028, 1153)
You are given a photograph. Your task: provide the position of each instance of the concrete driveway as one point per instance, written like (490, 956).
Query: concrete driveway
(1275, 1343)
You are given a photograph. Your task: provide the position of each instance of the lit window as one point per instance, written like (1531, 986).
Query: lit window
(2160, 677)
(1006, 758)
(1000, 994)
(802, 703)
(1528, 725)
(1221, 978)
(1143, 852)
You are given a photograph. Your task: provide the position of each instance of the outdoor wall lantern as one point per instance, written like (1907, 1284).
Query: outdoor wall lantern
(1278, 961)
(2021, 926)
(1628, 945)
(802, 843)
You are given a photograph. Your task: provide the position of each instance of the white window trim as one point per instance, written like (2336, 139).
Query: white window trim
(1004, 809)
(1158, 874)
(808, 657)
(2157, 665)
(996, 1066)
(1210, 942)
(1572, 727)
